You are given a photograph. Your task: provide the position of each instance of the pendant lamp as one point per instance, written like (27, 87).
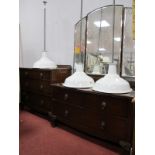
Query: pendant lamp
(44, 61)
(112, 82)
(79, 79)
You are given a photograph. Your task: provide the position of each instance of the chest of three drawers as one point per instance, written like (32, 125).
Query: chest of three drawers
(34, 87)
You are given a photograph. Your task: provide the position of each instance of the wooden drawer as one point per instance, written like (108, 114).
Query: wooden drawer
(37, 102)
(69, 97)
(69, 112)
(118, 129)
(59, 75)
(108, 104)
(39, 86)
(35, 74)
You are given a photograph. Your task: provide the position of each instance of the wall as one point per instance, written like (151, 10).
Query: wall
(61, 17)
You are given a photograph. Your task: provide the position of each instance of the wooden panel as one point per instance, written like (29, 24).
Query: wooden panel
(68, 112)
(39, 86)
(35, 74)
(38, 102)
(110, 105)
(69, 97)
(118, 129)
(59, 75)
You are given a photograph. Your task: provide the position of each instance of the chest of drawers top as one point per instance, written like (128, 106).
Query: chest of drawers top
(53, 75)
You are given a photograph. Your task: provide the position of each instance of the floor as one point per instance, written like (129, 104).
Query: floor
(38, 137)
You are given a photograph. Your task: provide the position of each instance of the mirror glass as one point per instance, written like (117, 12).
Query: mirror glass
(103, 45)
(79, 43)
(128, 58)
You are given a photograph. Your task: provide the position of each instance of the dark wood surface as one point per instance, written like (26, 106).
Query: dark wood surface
(35, 86)
(106, 116)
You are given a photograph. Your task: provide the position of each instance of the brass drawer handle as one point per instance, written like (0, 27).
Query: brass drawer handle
(41, 86)
(50, 113)
(102, 124)
(66, 112)
(103, 105)
(65, 96)
(41, 74)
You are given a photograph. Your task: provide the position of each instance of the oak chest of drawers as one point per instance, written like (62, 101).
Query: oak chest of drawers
(34, 86)
(106, 116)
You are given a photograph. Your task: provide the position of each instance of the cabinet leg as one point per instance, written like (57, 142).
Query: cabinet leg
(53, 121)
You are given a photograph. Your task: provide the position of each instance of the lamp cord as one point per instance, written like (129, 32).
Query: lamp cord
(113, 31)
(44, 2)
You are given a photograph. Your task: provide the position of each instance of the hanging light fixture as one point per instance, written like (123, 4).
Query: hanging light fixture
(112, 82)
(79, 79)
(44, 61)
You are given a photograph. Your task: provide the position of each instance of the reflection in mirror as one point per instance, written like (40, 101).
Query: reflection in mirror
(79, 43)
(100, 41)
(128, 59)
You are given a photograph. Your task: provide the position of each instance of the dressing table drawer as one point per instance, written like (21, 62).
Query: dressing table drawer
(108, 104)
(69, 97)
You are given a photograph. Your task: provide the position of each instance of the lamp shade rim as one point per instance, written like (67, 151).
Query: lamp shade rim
(79, 79)
(80, 87)
(44, 62)
(113, 91)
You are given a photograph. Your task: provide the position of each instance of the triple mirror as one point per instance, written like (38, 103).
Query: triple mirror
(104, 36)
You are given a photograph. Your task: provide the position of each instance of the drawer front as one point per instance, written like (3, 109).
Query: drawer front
(35, 74)
(109, 105)
(42, 104)
(26, 99)
(119, 129)
(69, 97)
(59, 75)
(37, 102)
(69, 113)
(36, 86)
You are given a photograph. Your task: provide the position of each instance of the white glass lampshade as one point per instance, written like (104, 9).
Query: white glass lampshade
(112, 82)
(79, 79)
(44, 62)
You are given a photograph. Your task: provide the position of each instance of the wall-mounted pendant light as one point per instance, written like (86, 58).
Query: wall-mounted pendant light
(79, 79)
(44, 61)
(112, 82)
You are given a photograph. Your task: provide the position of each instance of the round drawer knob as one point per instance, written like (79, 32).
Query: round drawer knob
(65, 96)
(41, 86)
(103, 104)
(41, 74)
(66, 112)
(50, 113)
(102, 124)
